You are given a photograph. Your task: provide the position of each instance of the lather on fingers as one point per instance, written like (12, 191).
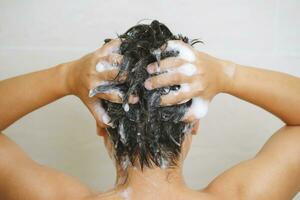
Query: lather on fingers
(181, 70)
(166, 79)
(165, 64)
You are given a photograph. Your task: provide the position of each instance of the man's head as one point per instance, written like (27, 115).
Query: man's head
(145, 133)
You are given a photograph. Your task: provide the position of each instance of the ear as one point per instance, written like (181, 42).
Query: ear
(195, 127)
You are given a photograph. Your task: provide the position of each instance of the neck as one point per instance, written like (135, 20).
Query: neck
(150, 179)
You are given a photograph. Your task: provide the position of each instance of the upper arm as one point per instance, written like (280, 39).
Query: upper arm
(274, 173)
(22, 178)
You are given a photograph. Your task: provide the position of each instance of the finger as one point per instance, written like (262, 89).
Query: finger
(112, 46)
(167, 63)
(133, 99)
(95, 107)
(114, 59)
(186, 51)
(112, 75)
(108, 62)
(185, 93)
(166, 79)
(114, 97)
(108, 75)
(117, 97)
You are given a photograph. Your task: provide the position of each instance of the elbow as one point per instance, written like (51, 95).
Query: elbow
(3, 126)
(295, 121)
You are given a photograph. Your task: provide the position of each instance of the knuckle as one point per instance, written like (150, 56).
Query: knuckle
(164, 100)
(91, 85)
(154, 81)
(113, 74)
(116, 98)
(177, 78)
(115, 58)
(174, 99)
(89, 74)
(198, 92)
(179, 61)
(180, 98)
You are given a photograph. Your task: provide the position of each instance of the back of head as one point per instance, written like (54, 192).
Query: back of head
(145, 133)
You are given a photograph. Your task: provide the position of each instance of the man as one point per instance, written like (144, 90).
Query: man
(274, 173)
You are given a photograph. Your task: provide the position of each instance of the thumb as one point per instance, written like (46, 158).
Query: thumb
(95, 107)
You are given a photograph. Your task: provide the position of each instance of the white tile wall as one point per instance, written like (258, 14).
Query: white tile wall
(37, 34)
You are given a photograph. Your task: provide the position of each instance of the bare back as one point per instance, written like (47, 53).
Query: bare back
(272, 174)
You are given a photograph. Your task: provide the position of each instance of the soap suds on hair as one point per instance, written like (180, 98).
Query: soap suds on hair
(121, 132)
(149, 128)
(126, 107)
(125, 162)
(157, 54)
(164, 164)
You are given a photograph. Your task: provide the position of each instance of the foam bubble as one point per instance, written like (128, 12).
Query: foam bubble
(126, 107)
(102, 66)
(125, 162)
(187, 69)
(164, 164)
(125, 194)
(102, 114)
(122, 133)
(185, 87)
(157, 54)
(184, 51)
(118, 92)
(94, 91)
(105, 118)
(199, 107)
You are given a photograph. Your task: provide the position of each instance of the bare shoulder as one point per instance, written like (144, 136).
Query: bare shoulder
(274, 173)
(22, 177)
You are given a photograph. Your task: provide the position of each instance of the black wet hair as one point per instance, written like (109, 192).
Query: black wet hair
(147, 133)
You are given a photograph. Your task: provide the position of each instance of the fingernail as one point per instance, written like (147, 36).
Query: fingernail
(92, 93)
(135, 100)
(150, 68)
(148, 85)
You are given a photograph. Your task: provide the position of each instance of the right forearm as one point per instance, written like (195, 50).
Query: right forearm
(275, 92)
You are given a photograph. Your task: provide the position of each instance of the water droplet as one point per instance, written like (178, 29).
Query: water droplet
(126, 107)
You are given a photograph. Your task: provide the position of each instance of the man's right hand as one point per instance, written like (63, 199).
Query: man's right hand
(92, 70)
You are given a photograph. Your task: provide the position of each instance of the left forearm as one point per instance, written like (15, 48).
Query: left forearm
(23, 94)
